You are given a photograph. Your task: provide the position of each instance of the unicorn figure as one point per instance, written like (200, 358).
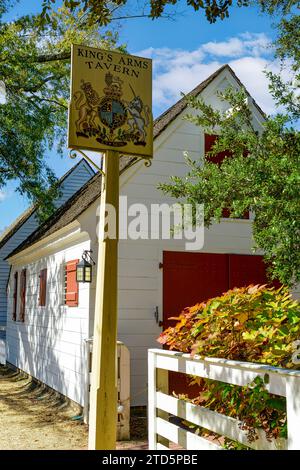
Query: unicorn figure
(139, 116)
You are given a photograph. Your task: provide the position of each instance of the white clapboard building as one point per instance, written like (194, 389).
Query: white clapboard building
(28, 222)
(50, 316)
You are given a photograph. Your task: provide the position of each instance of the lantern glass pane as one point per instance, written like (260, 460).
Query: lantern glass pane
(88, 274)
(79, 274)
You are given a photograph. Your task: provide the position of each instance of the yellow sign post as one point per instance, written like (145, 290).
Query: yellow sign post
(110, 111)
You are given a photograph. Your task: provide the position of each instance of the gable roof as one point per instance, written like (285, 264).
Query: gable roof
(71, 210)
(88, 194)
(66, 214)
(171, 113)
(19, 221)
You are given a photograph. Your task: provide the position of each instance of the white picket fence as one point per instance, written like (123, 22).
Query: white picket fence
(162, 405)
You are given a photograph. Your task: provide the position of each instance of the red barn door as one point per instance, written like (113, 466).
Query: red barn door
(189, 278)
(248, 269)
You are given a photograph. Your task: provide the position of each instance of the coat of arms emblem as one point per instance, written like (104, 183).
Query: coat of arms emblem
(109, 118)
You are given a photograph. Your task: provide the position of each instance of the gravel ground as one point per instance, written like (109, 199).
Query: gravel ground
(34, 418)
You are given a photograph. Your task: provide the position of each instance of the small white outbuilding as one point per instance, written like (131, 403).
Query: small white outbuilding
(50, 316)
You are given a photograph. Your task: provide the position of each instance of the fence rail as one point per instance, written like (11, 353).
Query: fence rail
(163, 407)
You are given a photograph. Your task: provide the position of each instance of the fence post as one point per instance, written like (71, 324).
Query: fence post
(123, 368)
(293, 412)
(123, 378)
(88, 367)
(162, 385)
(157, 380)
(152, 441)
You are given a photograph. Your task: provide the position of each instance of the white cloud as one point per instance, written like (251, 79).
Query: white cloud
(250, 72)
(178, 70)
(247, 43)
(168, 84)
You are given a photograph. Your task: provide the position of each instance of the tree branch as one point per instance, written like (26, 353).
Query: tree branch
(53, 57)
(48, 100)
(41, 83)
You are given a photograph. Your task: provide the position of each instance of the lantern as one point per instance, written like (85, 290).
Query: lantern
(84, 268)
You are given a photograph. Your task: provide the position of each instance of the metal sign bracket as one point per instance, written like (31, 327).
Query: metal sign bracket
(73, 154)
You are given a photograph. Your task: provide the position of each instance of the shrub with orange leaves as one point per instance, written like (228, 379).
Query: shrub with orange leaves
(254, 323)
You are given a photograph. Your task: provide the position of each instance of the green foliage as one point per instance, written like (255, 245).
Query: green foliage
(263, 175)
(288, 40)
(103, 12)
(268, 181)
(252, 405)
(286, 92)
(255, 324)
(5, 5)
(95, 11)
(35, 70)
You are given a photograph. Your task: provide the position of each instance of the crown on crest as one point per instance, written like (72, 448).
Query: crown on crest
(114, 86)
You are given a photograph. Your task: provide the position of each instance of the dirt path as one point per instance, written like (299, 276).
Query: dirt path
(32, 417)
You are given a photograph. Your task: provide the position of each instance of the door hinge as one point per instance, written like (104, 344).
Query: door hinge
(156, 315)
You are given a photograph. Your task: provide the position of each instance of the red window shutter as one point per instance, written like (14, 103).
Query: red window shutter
(71, 285)
(209, 141)
(15, 297)
(22, 295)
(43, 287)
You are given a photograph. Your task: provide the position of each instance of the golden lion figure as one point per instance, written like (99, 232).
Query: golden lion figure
(86, 103)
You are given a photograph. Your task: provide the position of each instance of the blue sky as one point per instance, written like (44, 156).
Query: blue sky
(185, 51)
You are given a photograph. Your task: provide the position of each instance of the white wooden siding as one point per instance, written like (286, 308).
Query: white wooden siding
(73, 182)
(49, 345)
(140, 279)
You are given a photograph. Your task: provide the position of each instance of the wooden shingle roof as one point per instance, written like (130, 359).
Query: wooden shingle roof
(19, 221)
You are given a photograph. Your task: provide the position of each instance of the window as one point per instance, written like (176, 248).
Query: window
(71, 285)
(209, 141)
(43, 287)
(15, 297)
(22, 295)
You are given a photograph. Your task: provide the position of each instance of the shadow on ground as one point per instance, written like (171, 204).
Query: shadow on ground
(36, 417)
